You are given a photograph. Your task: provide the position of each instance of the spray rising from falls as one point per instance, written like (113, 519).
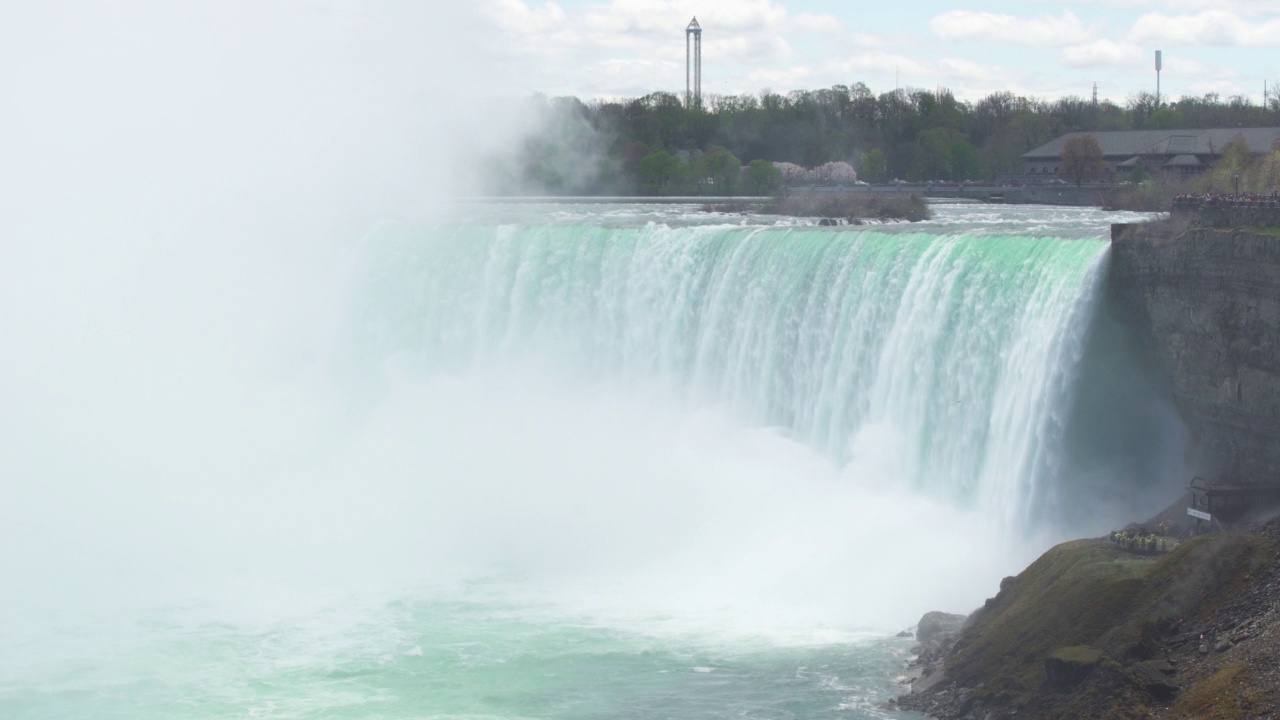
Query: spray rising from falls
(935, 364)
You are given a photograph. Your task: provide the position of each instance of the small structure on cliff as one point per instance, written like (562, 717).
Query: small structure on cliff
(1226, 502)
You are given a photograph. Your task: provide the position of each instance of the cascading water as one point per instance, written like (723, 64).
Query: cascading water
(955, 352)
(550, 462)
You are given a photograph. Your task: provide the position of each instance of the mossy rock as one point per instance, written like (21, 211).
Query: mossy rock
(1067, 667)
(1072, 596)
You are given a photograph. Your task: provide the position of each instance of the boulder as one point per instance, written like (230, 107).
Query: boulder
(1150, 676)
(1067, 667)
(935, 623)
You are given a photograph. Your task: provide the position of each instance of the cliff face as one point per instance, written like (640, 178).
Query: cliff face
(1207, 300)
(1093, 631)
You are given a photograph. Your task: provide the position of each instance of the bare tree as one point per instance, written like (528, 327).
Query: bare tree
(1082, 159)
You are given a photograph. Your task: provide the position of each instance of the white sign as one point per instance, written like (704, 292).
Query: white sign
(1198, 514)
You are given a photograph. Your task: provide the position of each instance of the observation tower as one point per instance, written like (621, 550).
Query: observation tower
(693, 64)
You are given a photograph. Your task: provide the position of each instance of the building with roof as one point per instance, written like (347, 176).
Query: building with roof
(1184, 152)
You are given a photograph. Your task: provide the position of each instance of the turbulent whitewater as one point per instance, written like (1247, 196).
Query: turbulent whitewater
(557, 461)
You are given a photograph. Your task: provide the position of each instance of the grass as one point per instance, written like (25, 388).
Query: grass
(1077, 654)
(1228, 693)
(1072, 596)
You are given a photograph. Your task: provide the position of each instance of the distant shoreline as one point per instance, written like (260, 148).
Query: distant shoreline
(616, 199)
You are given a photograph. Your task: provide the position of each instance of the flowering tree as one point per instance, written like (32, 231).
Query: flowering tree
(792, 174)
(836, 173)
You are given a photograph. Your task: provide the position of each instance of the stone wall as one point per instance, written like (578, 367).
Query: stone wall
(1207, 302)
(1228, 216)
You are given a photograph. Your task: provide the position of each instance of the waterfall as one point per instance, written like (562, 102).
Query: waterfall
(953, 354)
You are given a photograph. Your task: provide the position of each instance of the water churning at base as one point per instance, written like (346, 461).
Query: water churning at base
(940, 364)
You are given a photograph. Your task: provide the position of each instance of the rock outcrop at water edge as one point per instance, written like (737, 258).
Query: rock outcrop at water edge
(1092, 631)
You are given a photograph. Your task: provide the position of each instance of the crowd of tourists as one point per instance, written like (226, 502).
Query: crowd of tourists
(1193, 201)
(1140, 541)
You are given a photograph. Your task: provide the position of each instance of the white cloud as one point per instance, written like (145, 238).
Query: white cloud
(519, 16)
(1238, 6)
(660, 16)
(782, 77)
(1182, 67)
(993, 28)
(1218, 87)
(810, 22)
(871, 40)
(1212, 27)
(877, 62)
(961, 69)
(1103, 53)
(751, 52)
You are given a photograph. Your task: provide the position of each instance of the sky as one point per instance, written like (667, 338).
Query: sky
(628, 48)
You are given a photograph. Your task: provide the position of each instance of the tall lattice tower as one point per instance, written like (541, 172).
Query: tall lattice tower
(693, 64)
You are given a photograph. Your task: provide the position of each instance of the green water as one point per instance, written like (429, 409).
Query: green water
(465, 660)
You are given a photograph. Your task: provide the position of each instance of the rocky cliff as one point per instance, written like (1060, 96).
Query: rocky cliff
(1207, 300)
(1093, 631)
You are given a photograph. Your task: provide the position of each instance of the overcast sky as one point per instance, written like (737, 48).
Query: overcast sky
(611, 48)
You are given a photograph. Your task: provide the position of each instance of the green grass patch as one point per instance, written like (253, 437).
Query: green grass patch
(1078, 654)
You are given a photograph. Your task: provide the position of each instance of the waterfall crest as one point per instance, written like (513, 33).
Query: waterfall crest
(954, 354)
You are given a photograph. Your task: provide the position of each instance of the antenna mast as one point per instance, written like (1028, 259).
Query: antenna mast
(1158, 67)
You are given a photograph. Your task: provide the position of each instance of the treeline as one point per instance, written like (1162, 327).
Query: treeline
(657, 145)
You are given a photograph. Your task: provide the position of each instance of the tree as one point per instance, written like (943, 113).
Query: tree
(836, 173)
(763, 177)
(1236, 155)
(1164, 119)
(964, 161)
(662, 173)
(1235, 161)
(1265, 175)
(872, 166)
(1082, 159)
(721, 168)
(792, 174)
(934, 154)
